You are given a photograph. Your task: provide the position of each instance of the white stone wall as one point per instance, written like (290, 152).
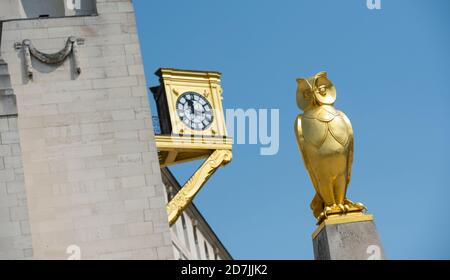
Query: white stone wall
(188, 245)
(192, 238)
(15, 239)
(90, 163)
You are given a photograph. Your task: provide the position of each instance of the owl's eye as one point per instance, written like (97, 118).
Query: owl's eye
(322, 89)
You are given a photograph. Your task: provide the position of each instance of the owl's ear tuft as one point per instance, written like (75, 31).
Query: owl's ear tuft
(304, 93)
(322, 74)
(321, 78)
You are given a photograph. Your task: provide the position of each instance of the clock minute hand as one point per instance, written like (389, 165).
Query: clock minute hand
(198, 109)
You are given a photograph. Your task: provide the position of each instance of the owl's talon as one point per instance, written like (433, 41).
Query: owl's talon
(340, 209)
(348, 202)
(324, 213)
(360, 205)
(347, 208)
(350, 206)
(321, 217)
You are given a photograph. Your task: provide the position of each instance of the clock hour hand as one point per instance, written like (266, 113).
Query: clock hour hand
(191, 106)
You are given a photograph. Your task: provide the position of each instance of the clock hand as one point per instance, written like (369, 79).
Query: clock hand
(198, 112)
(191, 106)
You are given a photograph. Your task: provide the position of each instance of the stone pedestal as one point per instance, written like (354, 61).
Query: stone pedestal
(348, 238)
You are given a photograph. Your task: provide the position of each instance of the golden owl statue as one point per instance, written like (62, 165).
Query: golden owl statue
(325, 139)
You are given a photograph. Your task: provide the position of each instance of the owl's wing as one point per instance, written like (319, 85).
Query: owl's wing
(350, 147)
(300, 142)
(317, 202)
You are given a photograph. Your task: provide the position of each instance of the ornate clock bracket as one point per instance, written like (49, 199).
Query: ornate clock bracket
(29, 50)
(187, 193)
(176, 149)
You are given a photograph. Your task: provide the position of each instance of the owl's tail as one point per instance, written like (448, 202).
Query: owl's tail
(317, 205)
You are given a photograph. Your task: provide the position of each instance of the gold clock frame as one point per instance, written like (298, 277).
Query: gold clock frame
(175, 82)
(179, 143)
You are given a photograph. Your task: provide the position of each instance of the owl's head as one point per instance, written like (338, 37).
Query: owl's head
(315, 91)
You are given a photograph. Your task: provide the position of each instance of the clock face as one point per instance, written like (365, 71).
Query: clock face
(194, 110)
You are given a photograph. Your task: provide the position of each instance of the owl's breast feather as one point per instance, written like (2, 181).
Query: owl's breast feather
(339, 130)
(322, 113)
(319, 124)
(314, 131)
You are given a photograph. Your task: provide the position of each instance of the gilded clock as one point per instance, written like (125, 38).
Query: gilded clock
(189, 103)
(194, 110)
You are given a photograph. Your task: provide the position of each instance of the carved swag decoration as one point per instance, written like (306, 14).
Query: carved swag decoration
(52, 58)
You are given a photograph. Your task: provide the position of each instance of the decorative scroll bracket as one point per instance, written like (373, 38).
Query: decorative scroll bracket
(187, 193)
(53, 58)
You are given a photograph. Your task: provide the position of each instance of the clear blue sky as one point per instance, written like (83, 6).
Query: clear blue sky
(391, 68)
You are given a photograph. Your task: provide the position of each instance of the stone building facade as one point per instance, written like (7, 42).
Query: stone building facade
(79, 171)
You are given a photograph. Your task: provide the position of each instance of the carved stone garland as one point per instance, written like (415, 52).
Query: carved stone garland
(53, 58)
